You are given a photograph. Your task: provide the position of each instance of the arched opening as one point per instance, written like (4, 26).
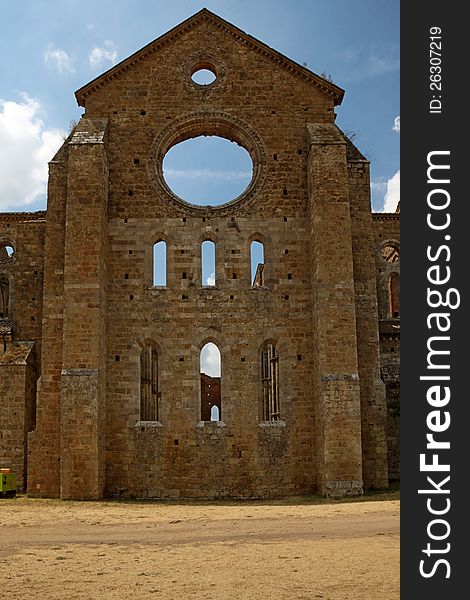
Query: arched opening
(394, 295)
(210, 371)
(208, 263)
(390, 252)
(149, 392)
(6, 251)
(4, 297)
(257, 264)
(207, 170)
(203, 76)
(270, 382)
(159, 263)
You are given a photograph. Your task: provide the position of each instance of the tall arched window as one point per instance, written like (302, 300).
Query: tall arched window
(394, 295)
(208, 263)
(4, 297)
(257, 264)
(159, 263)
(210, 369)
(149, 392)
(270, 382)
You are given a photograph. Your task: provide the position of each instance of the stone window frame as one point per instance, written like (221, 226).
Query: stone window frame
(394, 244)
(199, 277)
(4, 242)
(208, 122)
(5, 277)
(391, 275)
(223, 359)
(267, 253)
(150, 344)
(160, 240)
(154, 238)
(203, 60)
(267, 398)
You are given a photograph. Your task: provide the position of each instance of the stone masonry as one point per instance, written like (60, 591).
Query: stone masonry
(100, 389)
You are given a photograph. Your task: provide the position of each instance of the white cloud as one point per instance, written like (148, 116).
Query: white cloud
(210, 174)
(378, 186)
(396, 124)
(210, 360)
(360, 66)
(392, 195)
(26, 146)
(106, 54)
(59, 59)
(210, 280)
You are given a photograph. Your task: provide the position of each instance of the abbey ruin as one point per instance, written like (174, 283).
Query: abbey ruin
(101, 393)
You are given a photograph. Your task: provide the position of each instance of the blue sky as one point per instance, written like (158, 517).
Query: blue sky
(50, 48)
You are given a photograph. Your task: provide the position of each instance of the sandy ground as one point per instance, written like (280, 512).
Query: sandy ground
(218, 551)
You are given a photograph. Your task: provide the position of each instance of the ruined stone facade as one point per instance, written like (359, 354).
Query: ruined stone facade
(99, 369)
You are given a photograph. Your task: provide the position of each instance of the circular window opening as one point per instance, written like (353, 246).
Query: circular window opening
(207, 170)
(6, 251)
(390, 253)
(203, 76)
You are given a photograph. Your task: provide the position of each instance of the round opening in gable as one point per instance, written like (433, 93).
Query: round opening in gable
(207, 170)
(204, 76)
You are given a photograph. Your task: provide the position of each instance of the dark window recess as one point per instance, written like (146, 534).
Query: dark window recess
(130, 251)
(183, 276)
(285, 219)
(117, 358)
(289, 275)
(126, 275)
(143, 113)
(130, 192)
(231, 297)
(234, 275)
(286, 297)
(299, 357)
(136, 161)
(184, 297)
(176, 442)
(284, 192)
(131, 297)
(270, 382)
(275, 156)
(149, 384)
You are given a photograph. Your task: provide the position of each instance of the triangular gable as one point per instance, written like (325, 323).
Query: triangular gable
(326, 86)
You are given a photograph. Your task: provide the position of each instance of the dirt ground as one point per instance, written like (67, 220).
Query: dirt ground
(300, 550)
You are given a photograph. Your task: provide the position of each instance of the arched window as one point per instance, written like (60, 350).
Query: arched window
(4, 297)
(257, 264)
(159, 263)
(394, 295)
(270, 382)
(208, 263)
(210, 369)
(149, 392)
